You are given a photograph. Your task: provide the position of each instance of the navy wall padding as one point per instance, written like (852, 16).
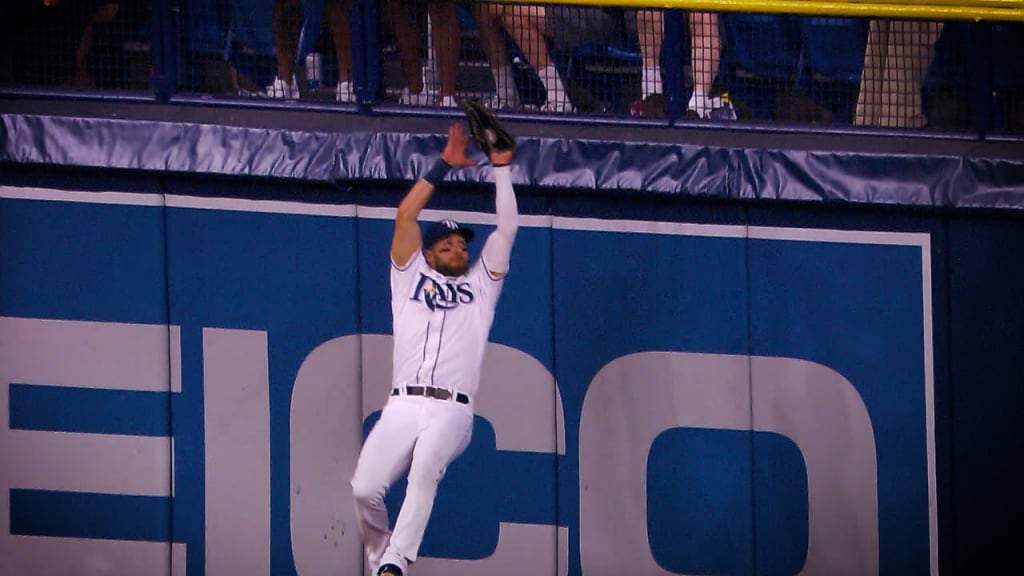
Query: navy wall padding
(340, 147)
(679, 175)
(987, 372)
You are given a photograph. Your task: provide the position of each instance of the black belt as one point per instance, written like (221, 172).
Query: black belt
(431, 392)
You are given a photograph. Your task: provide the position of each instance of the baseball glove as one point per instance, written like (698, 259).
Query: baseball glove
(485, 129)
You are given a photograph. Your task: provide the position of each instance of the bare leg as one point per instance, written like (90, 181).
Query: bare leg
(705, 46)
(445, 36)
(286, 37)
(869, 99)
(487, 17)
(651, 32)
(407, 35)
(911, 48)
(528, 27)
(83, 77)
(492, 43)
(341, 35)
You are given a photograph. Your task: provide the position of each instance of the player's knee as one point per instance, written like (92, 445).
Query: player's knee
(367, 492)
(425, 475)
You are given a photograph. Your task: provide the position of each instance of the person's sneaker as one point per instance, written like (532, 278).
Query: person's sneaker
(449, 102)
(653, 106)
(720, 109)
(409, 99)
(558, 107)
(345, 93)
(494, 102)
(282, 90)
(389, 570)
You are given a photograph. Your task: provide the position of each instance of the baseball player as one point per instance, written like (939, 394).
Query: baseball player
(442, 309)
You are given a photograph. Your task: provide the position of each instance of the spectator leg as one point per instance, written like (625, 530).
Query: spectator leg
(869, 98)
(287, 14)
(528, 27)
(446, 40)
(407, 37)
(492, 42)
(83, 77)
(911, 48)
(705, 49)
(650, 30)
(341, 34)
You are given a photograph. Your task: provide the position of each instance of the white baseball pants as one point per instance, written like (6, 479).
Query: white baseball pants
(419, 434)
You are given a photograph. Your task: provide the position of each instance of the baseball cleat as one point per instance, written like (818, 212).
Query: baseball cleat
(389, 570)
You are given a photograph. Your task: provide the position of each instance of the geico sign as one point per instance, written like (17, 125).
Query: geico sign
(647, 393)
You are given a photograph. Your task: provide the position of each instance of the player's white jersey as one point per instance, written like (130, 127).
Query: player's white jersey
(441, 324)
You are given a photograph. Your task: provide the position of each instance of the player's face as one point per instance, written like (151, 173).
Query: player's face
(449, 256)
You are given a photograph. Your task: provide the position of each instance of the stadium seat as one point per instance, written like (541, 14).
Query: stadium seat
(602, 72)
(1008, 55)
(241, 32)
(833, 47)
(1008, 74)
(760, 56)
(605, 72)
(946, 92)
(831, 62)
(204, 39)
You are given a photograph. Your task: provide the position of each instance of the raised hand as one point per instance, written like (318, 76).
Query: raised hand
(455, 150)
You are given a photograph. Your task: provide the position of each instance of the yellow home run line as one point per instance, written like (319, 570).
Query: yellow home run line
(994, 10)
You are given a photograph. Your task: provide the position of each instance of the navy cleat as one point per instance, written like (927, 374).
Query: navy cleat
(389, 570)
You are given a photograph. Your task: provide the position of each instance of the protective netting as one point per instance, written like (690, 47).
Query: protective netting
(550, 58)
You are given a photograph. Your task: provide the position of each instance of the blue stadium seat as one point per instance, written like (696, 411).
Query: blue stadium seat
(204, 25)
(242, 33)
(833, 47)
(252, 25)
(204, 32)
(760, 52)
(954, 85)
(1008, 75)
(831, 62)
(947, 67)
(946, 94)
(1008, 55)
(765, 45)
(604, 69)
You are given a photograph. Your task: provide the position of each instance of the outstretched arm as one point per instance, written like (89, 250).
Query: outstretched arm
(407, 237)
(497, 251)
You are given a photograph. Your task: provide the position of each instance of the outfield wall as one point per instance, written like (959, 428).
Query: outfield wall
(675, 385)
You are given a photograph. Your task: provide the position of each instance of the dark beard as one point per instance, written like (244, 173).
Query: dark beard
(451, 271)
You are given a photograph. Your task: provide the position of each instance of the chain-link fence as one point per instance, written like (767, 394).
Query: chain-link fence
(568, 60)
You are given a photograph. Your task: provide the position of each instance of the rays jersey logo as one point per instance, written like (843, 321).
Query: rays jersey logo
(442, 296)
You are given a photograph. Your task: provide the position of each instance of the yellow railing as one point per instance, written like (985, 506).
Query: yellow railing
(994, 10)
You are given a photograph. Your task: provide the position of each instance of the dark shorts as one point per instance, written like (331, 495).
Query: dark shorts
(574, 26)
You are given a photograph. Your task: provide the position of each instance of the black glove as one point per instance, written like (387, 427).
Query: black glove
(487, 133)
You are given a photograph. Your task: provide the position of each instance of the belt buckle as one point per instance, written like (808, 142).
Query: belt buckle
(430, 392)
